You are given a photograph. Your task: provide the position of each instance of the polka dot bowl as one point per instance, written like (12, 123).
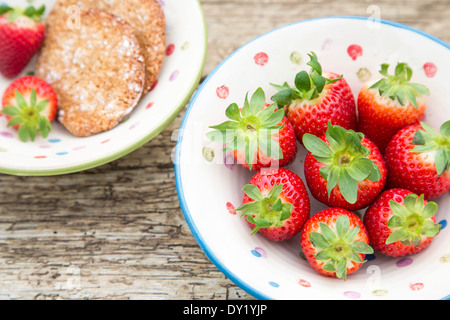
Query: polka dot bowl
(62, 153)
(210, 186)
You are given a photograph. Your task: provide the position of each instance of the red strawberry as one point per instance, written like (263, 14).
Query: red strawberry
(21, 35)
(390, 104)
(316, 100)
(30, 104)
(276, 204)
(343, 169)
(401, 223)
(335, 242)
(418, 157)
(258, 135)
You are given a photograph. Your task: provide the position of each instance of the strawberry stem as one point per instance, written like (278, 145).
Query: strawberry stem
(431, 140)
(345, 158)
(16, 12)
(398, 86)
(265, 211)
(251, 129)
(411, 221)
(308, 86)
(337, 246)
(27, 115)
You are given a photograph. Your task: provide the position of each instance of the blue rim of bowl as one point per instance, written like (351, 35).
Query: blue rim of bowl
(179, 185)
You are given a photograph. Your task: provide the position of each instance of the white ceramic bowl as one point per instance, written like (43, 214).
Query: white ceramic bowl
(63, 153)
(208, 188)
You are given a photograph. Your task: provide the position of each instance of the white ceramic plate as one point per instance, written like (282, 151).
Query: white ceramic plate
(208, 188)
(63, 153)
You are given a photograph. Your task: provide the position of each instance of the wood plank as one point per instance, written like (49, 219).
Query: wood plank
(117, 231)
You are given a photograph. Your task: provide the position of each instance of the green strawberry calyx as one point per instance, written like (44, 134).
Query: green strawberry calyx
(431, 140)
(251, 128)
(27, 115)
(16, 12)
(308, 86)
(411, 221)
(265, 211)
(345, 159)
(399, 86)
(337, 246)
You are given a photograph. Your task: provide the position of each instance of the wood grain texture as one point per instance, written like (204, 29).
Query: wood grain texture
(117, 231)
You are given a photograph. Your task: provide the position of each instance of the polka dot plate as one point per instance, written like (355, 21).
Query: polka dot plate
(62, 153)
(210, 186)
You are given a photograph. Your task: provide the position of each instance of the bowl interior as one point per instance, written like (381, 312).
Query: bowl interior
(210, 186)
(63, 153)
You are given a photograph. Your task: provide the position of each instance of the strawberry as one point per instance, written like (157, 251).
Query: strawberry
(335, 242)
(30, 104)
(401, 223)
(317, 99)
(343, 168)
(276, 204)
(258, 135)
(418, 157)
(21, 35)
(390, 104)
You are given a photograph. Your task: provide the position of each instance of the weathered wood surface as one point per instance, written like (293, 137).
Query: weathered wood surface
(117, 231)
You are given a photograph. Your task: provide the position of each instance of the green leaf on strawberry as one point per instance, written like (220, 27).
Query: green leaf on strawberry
(398, 86)
(431, 140)
(337, 247)
(265, 211)
(30, 12)
(4, 9)
(345, 160)
(308, 86)
(27, 115)
(251, 128)
(411, 221)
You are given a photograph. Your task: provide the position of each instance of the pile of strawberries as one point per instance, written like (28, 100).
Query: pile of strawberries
(29, 104)
(372, 153)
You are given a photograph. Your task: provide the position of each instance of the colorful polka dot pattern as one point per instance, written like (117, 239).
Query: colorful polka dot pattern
(261, 58)
(259, 252)
(354, 51)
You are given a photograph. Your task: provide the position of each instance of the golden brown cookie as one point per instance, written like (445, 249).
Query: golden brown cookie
(145, 16)
(96, 68)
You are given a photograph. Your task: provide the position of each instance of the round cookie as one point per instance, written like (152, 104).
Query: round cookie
(145, 16)
(96, 68)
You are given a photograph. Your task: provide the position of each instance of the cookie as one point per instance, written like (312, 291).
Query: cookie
(145, 16)
(96, 68)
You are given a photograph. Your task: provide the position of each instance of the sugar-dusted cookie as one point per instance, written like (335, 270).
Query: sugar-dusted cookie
(145, 16)
(96, 68)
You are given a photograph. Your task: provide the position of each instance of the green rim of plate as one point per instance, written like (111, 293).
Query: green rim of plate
(123, 152)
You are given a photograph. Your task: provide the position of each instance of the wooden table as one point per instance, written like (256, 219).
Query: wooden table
(117, 231)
